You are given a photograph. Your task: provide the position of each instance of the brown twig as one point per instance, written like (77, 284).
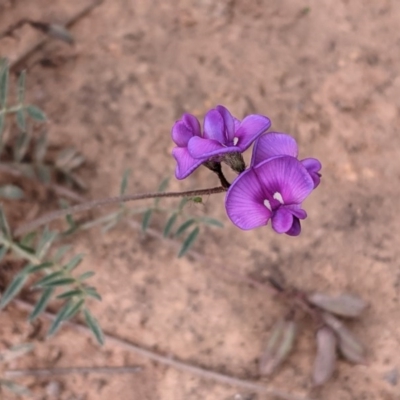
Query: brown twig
(17, 373)
(171, 362)
(47, 218)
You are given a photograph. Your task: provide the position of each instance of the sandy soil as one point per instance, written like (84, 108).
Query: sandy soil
(328, 73)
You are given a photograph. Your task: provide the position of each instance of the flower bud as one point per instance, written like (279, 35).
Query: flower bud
(279, 347)
(325, 360)
(345, 305)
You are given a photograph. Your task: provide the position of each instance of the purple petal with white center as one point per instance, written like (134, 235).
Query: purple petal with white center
(214, 127)
(282, 220)
(250, 129)
(286, 176)
(229, 123)
(273, 144)
(184, 129)
(186, 164)
(313, 166)
(295, 229)
(244, 202)
(237, 123)
(199, 148)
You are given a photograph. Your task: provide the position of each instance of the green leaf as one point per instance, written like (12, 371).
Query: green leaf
(183, 202)
(124, 182)
(184, 226)
(45, 242)
(21, 146)
(2, 124)
(197, 199)
(3, 252)
(59, 282)
(11, 192)
(163, 186)
(41, 304)
(73, 263)
(16, 388)
(21, 86)
(74, 309)
(13, 289)
(146, 219)
(212, 222)
(4, 227)
(92, 292)
(94, 326)
(85, 275)
(48, 278)
(27, 240)
(61, 316)
(189, 241)
(4, 73)
(70, 293)
(170, 223)
(34, 268)
(21, 121)
(36, 113)
(60, 253)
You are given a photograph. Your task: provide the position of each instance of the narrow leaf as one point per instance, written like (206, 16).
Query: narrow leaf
(36, 113)
(2, 124)
(146, 219)
(21, 146)
(189, 241)
(124, 182)
(41, 304)
(13, 289)
(212, 222)
(34, 268)
(59, 282)
(85, 275)
(94, 326)
(21, 121)
(21, 86)
(70, 293)
(53, 276)
(11, 192)
(183, 202)
(92, 292)
(163, 186)
(4, 227)
(60, 32)
(3, 252)
(74, 309)
(170, 223)
(60, 317)
(4, 73)
(16, 388)
(40, 148)
(73, 263)
(60, 253)
(184, 226)
(45, 242)
(44, 173)
(27, 240)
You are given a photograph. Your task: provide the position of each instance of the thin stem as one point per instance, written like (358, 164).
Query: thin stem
(47, 218)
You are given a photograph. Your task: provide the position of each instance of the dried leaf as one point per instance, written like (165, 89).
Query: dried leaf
(267, 358)
(345, 305)
(350, 347)
(325, 360)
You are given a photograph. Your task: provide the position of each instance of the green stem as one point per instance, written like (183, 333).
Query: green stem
(47, 218)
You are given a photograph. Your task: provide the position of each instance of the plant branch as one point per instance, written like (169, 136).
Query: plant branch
(171, 362)
(47, 218)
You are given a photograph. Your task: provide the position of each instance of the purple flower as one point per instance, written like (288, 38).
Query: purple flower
(225, 134)
(182, 131)
(272, 190)
(277, 144)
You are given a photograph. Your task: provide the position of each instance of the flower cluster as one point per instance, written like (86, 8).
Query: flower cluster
(276, 182)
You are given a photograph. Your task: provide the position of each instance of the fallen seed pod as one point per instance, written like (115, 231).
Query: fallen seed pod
(350, 347)
(279, 347)
(325, 360)
(345, 305)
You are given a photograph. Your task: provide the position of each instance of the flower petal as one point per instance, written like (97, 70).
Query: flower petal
(295, 229)
(273, 144)
(229, 123)
(297, 211)
(249, 130)
(282, 220)
(244, 202)
(186, 164)
(184, 129)
(313, 166)
(214, 127)
(286, 176)
(204, 148)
